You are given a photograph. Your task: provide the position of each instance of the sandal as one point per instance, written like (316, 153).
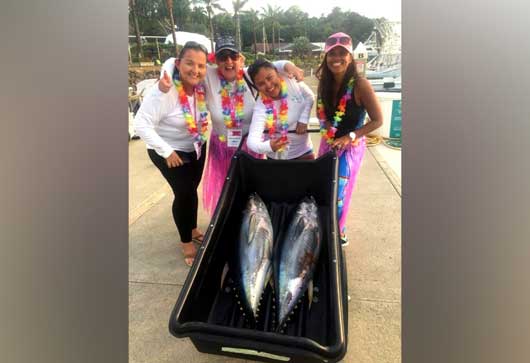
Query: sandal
(189, 256)
(198, 238)
(344, 240)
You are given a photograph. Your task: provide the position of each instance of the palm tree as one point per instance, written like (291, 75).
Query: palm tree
(210, 6)
(198, 15)
(264, 36)
(238, 5)
(254, 16)
(270, 14)
(173, 30)
(132, 8)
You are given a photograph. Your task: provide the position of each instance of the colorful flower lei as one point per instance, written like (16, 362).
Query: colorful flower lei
(232, 107)
(198, 135)
(329, 133)
(272, 116)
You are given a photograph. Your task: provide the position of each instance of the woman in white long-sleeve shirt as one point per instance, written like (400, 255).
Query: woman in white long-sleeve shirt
(284, 105)
(173, 127)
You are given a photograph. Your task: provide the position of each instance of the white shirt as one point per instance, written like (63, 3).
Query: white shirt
(160, 122)
(213, 95)
(300, 100)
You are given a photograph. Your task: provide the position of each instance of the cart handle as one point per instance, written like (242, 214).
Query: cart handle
(293, 131)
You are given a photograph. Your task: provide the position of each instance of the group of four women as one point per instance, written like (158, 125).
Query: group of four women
(173, 120)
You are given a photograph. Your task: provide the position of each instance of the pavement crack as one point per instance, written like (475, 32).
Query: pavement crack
(147, 204)
(391, 176)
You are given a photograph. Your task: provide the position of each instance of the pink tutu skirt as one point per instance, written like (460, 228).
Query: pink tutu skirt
(217, 164)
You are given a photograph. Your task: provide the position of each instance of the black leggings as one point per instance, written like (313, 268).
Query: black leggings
(184, 181)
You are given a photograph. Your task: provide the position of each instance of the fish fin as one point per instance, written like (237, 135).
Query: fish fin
(310, 293)
(268, 277)
(299, 228)
(223, 274)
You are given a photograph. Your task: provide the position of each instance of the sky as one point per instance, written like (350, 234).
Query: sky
(390, 9)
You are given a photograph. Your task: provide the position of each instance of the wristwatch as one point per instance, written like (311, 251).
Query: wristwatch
(352, 136)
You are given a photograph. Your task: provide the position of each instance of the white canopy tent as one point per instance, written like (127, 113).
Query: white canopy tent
(183, 37)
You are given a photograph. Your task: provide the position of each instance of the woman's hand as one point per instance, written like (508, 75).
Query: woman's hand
(301, 128)
(294, 71)
(342, 142)
(278, 143)
(164, 85)
(174, 160)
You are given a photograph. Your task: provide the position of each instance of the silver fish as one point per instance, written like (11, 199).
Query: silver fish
(255, 251)
(298, 257)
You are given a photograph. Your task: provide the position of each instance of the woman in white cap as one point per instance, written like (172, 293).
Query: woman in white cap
(344, 98)
(230, 102)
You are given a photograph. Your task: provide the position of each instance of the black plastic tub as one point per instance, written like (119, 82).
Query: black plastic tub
(210, 312)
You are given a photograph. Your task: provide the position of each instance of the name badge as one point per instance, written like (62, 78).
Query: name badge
(233, 137)
(197, 145)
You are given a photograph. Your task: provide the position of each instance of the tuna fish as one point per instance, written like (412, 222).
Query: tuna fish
(298, 257)
(255, 251)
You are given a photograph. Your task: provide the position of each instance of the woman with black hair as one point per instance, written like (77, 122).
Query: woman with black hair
(173, 126)
(344, 98)
(283, 105)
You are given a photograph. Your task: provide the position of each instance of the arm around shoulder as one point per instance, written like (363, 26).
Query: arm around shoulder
(309, 100)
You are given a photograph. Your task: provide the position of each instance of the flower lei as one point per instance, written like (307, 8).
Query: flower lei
(198, 135)
(232, 111)
(272, 116)
(329, 134)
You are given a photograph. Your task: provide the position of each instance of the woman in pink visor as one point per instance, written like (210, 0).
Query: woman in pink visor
(344, 99)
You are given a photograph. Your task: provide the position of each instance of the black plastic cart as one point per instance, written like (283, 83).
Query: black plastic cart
(210, 314)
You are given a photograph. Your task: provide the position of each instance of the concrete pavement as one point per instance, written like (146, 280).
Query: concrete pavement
(157, 270)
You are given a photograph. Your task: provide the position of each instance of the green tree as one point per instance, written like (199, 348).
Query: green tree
(294, 23)
(211, 5)
(224, 24)
(151, 14)
(198, 20)
(315, 31)
(132, 10)
(254, 18)
(270, 15)
(238, 5)
(172, 19)
(301, 47)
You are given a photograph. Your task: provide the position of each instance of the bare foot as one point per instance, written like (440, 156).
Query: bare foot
(189, 250)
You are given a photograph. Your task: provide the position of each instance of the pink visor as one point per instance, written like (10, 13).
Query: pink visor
(339, 40)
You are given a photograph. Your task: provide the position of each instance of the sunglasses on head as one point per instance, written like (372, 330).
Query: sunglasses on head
(340, 40)
(223, 56)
